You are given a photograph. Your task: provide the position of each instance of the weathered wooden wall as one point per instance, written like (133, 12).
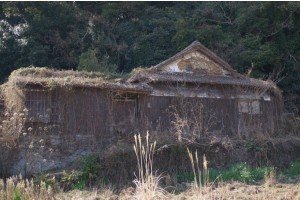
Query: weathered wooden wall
(89, 120)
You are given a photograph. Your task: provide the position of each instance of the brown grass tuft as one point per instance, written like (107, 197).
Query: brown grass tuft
(147, 182)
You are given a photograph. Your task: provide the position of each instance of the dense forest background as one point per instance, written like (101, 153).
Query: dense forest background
(261, 39)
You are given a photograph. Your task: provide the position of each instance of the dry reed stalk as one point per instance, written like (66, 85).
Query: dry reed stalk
(198, 175)
(270, 179)
(19, 188)
(191, 157)
(147, 182)
(205, 171)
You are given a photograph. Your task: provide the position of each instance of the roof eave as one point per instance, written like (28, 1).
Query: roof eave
(141, 88)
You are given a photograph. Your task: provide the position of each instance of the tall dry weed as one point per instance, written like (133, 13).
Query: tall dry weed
(147, 181)
(11, 127)
(18, 188)
(201, 178)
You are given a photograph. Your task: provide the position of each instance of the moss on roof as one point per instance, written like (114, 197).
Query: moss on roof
(69, 78)
(44, 72)
(138, 80)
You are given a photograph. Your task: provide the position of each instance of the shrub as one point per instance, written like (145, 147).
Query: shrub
(87, 175)
(89, 61)
(238, 172)
(293, 170)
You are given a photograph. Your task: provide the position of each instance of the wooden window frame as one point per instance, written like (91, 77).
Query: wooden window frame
(247, 106)
(117, 96)
(42, 106)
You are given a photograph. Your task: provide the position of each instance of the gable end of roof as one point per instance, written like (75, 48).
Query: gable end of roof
(197, 46)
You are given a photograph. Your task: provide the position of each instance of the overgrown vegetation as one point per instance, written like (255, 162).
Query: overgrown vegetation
(17, 188)
(293, 170)
(88, 61)
(238, 172)
(87, 175)
(148, 182)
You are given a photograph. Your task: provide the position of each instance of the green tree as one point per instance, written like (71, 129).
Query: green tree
(42, 33)
(88, 61)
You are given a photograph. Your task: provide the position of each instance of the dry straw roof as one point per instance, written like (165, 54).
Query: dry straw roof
(148, 77)
(68, 78)
(140, 78)
(33, 76)
(156, 74)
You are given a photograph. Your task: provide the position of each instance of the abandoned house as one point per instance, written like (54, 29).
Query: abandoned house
(194, 93)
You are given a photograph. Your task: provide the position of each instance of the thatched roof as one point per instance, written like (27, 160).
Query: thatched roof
(68, 78)
(156, 74)
(209, 79)
(141, 79)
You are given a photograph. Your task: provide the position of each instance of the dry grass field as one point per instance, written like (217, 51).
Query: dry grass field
(283, 188)
(233, 190)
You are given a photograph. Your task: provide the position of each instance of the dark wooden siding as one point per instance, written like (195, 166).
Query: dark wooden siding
(94, 112)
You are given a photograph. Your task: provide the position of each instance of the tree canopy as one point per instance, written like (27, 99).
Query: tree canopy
(261, 39)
